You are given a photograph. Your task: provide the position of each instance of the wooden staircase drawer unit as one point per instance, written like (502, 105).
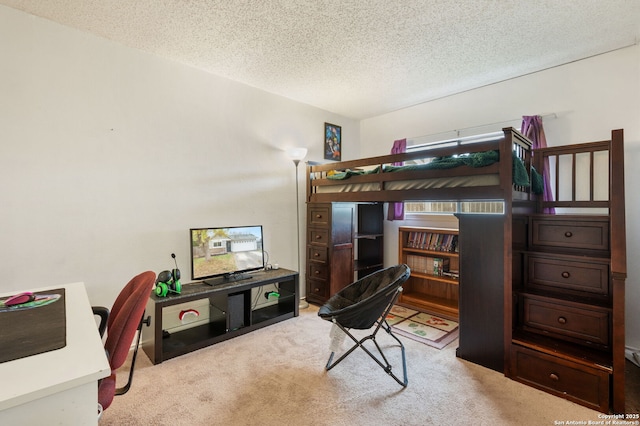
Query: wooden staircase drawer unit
(580, 323)
(560, 273)
(590, 235)
(319, 236)
(575, 382)
(319, 216)
(318, 254)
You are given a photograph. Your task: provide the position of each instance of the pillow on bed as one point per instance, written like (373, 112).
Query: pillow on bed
(341, 175)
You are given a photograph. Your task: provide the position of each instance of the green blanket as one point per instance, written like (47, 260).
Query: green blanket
(478, 159)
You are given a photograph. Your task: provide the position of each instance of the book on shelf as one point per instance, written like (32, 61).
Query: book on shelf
(440, 265)
(432, 241)
(451, 274)
(428, 265)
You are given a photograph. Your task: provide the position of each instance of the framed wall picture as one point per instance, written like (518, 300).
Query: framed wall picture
(332, 142)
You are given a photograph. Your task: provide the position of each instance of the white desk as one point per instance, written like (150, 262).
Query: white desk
(58, 387)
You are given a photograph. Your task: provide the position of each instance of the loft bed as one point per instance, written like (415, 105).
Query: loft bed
(489, 167)
(495, 265)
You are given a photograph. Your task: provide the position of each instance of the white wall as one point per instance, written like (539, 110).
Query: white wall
(589, 97)
(109, 155)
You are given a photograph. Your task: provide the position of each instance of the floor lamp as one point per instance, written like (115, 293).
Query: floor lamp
(298, 154)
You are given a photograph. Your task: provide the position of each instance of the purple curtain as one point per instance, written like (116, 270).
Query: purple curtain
(532, 128)
(396, 210)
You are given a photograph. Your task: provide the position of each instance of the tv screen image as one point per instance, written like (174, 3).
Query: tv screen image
(226, 253)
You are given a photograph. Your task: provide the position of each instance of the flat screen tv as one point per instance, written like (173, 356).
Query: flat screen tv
(224, 254)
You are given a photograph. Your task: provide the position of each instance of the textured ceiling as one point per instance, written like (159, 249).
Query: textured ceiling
(358, 58)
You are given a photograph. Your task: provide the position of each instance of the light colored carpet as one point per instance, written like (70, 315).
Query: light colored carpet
(275, 376)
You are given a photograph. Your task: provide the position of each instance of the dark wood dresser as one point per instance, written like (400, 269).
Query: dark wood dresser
(344, 243)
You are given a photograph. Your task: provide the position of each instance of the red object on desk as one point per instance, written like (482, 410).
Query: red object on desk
(19, 299)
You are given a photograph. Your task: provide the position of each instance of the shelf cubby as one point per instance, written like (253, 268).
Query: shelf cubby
(432, 255)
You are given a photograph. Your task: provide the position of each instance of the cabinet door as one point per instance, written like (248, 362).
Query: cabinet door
(341, 267)
(342, 224)
(481, 244)
(341, 246)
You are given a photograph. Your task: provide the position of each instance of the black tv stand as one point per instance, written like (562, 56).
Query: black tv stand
(224, 310)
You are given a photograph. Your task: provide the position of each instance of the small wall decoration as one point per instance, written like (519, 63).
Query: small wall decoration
(332, 142)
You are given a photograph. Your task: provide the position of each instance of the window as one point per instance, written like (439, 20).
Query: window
(451, 207)
(455, 137)
(425, 207)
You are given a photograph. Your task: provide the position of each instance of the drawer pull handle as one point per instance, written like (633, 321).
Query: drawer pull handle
(318, 237)
(566, 274)
(568, 234)
(562, 320)
(554, 377)
(316, 254)
(318, 216)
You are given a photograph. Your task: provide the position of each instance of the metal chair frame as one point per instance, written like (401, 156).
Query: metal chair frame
(382, 361)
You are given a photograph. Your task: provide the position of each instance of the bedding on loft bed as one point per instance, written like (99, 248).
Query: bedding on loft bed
(462, 167)
(478, 159)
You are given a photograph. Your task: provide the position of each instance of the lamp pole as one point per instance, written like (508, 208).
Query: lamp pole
(297, 154)
(298, 211)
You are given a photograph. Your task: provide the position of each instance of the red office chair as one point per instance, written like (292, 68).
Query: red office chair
(122, 324)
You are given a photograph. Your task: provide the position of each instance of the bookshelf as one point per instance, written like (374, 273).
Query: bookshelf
(432, 255)
(368, 239)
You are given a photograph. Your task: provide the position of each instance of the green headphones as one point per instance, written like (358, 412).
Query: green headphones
(168, 282)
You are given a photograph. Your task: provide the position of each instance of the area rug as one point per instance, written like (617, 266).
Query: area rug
(423, 327)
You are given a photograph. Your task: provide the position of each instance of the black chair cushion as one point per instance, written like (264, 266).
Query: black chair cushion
(360, 304)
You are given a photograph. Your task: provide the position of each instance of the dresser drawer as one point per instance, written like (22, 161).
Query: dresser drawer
(319, 215)
(574, 234)
(318, 271)
(576, 382)
(318, 236)
(575, 322)
(319, 288)
(561, 273)
(317, 254)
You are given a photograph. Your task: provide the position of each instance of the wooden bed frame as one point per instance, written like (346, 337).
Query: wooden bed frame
(509, 141)
(487, 335)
